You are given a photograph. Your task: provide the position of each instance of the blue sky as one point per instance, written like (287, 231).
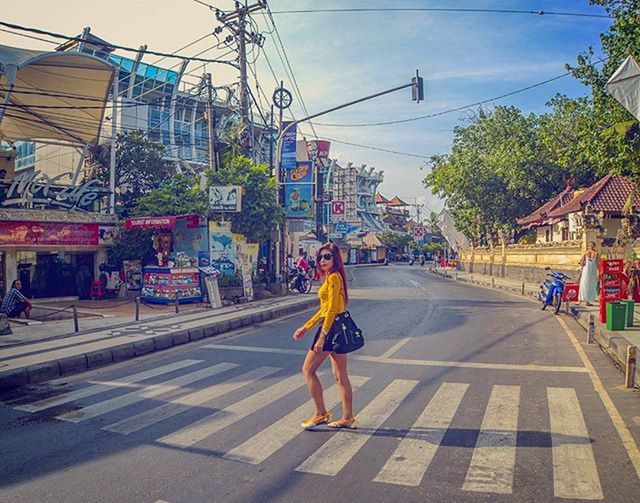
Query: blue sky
(464, 58)
(338, 57)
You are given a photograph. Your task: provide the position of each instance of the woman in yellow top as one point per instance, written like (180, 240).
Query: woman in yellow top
(333, 300)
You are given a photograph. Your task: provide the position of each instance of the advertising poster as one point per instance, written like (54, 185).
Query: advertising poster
(247, 284)
(302, 173)
(318, 152)
(298, 199)
(225, 198)
(133, 274)
(289, 147)
(213, 292)
(222, 247)
(190, 240)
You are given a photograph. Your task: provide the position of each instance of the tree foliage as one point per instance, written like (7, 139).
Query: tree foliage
(139, 167)
(178, 196)
(396, 241)
(261, 213)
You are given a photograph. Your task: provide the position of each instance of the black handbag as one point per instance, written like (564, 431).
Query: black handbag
(345, 334)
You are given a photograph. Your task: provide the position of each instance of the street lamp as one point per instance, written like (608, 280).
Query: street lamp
(417, 85)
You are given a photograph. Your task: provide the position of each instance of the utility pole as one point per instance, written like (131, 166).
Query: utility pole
(211, 126)
(236, 22)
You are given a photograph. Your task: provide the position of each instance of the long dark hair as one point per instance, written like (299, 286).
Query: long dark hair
(338, 265)
(13, 283)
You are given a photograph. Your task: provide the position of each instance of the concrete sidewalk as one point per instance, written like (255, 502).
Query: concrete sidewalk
(32, 361)
(614, 343)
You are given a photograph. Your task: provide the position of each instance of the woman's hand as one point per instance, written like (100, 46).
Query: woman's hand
(318, 347)
(299, 333)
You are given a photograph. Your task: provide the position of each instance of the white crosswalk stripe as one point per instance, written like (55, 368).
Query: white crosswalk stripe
(410, 461)
(493, 460)
(334, 454)
(148, 392)
(492, 464)
(101, 387)
(215, 422)
(575, 474)
(184, 403)
(271, 439)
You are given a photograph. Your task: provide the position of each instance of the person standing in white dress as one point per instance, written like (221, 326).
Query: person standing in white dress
(589, 276)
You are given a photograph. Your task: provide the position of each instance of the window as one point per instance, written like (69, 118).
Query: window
(565, 233)
(547, 235)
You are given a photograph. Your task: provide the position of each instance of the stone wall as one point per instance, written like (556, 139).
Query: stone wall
(524, 262)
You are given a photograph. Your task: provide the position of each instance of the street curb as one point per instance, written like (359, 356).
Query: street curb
(613, 344)
(358, 266)
(82, 362)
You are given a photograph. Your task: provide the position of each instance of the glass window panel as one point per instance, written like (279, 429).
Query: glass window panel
(173, 77)
(142, 69)
(127, 64)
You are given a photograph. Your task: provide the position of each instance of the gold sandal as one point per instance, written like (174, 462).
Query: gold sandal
(316, 421)
(342, 423)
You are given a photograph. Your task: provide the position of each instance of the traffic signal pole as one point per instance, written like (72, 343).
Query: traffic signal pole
(417, 95)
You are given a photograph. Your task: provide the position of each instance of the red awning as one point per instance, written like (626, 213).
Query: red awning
(168, 222)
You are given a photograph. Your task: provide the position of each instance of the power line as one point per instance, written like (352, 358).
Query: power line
(438, 9)
(29, 36)
(451, 110)
(109, 44)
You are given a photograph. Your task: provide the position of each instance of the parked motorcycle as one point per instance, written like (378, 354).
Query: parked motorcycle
(551, 290)
(298, 280)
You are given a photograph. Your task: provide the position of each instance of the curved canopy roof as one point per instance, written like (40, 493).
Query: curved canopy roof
(52, 95)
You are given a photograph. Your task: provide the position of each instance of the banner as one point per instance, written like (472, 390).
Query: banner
(288, 153)
(48, 233)
(298, 199)
(318, 152)
(222, 247)
(302, 173)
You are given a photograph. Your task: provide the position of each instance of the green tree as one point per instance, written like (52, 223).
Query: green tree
(261, 213)
(139, 167)
(134, 244)
(178, 196)
(432, 222)
(396, 242)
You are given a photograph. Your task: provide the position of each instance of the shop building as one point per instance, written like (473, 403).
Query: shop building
(53, 253)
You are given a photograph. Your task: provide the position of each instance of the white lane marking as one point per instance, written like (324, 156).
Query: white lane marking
(623, 432)
(410, 461)
(186, 402)
(151, 391)
(494, 456)
(334, 454)
(221, 419)
(274, 437)
(395, 347)
(575, 475)
(417, 285)
(407, 361)
(100, 387)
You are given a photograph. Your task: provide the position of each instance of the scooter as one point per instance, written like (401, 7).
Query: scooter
(551, 290)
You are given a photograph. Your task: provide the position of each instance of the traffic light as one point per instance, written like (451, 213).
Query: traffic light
(417, 91)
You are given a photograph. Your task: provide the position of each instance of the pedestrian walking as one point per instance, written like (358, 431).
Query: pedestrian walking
(333, 304)
(15, 302)
(589, 275)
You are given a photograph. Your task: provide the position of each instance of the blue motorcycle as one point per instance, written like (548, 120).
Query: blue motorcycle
(551, 290)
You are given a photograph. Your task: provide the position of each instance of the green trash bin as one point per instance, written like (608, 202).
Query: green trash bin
(630, 308)
(616, 316)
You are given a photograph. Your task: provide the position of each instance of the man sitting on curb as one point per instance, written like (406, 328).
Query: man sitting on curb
(15, 303)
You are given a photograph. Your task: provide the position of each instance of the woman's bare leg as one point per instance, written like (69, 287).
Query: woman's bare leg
(311, 364)
(339, 366)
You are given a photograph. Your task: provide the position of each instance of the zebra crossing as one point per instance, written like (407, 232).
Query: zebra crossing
(490, 467)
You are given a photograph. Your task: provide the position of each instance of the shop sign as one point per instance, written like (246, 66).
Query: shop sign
(302, 173)
(39, 189)
(288, 155)
(48, 234)
(298, 198)
(225, 198)
(150, 223)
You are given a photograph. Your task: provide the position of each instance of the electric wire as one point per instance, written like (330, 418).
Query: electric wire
(437, 9)
(109, 44)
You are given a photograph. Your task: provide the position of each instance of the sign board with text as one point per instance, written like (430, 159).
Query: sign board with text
(338, 210)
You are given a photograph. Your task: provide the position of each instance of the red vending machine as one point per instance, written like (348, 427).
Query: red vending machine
(611, 273)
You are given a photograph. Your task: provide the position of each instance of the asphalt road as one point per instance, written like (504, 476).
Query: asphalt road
(462, 394)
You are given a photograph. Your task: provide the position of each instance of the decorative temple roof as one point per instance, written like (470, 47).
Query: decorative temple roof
(540, 215)
(609, 195)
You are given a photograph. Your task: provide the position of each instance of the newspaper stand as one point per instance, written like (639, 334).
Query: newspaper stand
(611, 272)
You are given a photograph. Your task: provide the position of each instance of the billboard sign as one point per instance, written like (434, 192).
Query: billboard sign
(226, 198)
(338, 210)
(302, 173)
(298, 199)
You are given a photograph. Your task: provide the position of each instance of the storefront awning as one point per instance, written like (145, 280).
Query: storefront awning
(52, 95)
(168, 222)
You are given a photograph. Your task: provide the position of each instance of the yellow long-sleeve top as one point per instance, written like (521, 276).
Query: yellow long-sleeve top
(332, 302)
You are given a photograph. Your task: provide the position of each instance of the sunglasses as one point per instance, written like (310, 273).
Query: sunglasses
(326, 256)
